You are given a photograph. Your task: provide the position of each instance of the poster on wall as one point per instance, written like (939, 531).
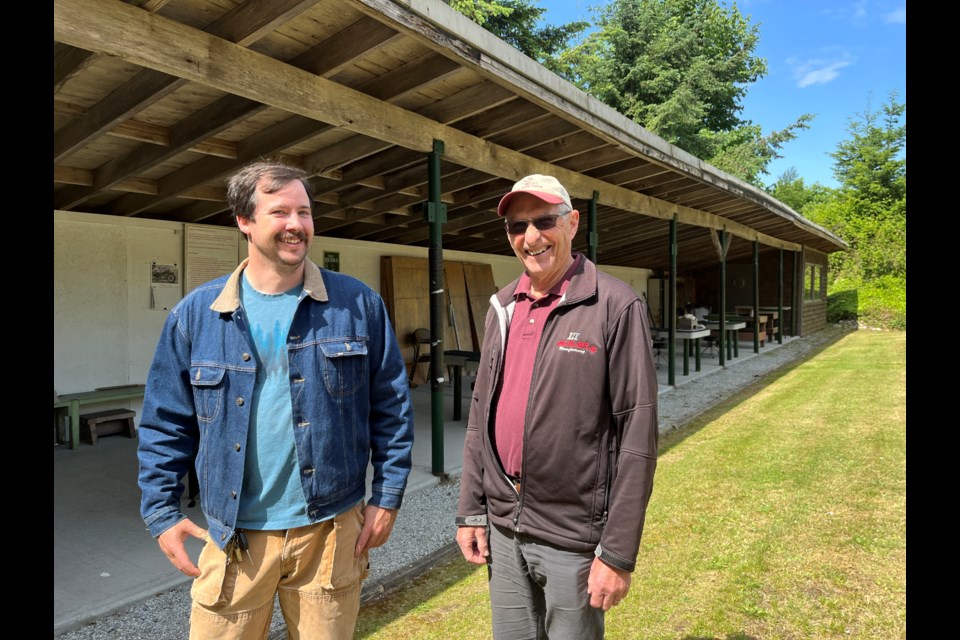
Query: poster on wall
(164, 285)
(209, 252)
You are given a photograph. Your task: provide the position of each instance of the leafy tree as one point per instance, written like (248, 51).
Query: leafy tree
(516, 22)
(871, 205)
(479, 10)
(680, 69)
(791, 190)
(870, 166)
(745, 152)
(869, 211)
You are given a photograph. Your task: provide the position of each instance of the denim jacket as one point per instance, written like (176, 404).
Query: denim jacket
(348, 385)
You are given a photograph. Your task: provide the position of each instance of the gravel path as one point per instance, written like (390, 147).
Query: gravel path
(424, 531)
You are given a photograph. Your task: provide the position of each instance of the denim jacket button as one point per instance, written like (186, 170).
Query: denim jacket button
(308, 472)
(239, 402)
(233, 494)
(246, 357)
(237, 446)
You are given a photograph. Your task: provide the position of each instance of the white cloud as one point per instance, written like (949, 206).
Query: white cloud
(819, 71)
(860, 10)
(896, 17)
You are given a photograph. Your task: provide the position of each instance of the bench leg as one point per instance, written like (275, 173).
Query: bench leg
(131, 430)
(74, 424)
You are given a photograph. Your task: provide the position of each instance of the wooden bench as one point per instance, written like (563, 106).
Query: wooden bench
(104, 423)
(71, 403)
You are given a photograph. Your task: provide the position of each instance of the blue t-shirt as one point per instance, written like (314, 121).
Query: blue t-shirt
(272, 496)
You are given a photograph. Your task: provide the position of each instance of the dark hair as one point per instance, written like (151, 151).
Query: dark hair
(242, 186)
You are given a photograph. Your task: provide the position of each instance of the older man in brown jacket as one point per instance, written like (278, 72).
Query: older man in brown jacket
(561, 442)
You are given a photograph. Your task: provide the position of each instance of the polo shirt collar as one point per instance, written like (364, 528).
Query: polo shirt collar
(523, 285)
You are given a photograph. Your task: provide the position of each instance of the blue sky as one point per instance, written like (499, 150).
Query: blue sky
(829, 59)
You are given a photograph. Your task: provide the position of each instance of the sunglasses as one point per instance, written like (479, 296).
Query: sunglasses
(542, 223)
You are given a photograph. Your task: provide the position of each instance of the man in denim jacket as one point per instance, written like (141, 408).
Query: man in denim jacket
(283, 381)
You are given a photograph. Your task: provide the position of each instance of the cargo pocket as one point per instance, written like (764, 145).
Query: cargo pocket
(214, 587)
(340, 570)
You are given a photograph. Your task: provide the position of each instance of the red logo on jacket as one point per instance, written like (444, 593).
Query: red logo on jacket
(575, 344)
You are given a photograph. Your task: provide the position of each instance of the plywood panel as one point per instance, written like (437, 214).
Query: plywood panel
(458, 334)
(405, 286)
(480, 286)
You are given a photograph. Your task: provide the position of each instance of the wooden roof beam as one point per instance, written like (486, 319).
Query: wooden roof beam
(244, 25)
(111, 27)
(325, 58)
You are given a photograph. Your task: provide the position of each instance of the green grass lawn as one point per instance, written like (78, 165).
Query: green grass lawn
(781, 513)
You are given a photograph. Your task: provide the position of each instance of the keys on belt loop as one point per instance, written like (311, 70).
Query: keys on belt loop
(237, 546)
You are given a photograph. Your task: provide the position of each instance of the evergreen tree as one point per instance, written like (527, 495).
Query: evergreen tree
(680, 69)
(869, 212)
(516, 22)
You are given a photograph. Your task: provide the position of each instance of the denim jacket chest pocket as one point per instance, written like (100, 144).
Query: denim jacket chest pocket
(207, 383)
(344, 364)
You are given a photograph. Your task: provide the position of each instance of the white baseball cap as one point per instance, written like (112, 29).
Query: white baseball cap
(547, 188)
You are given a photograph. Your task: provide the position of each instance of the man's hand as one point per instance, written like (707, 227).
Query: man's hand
(473, 544)
(377, 525)
(606, 585)
(171, 543)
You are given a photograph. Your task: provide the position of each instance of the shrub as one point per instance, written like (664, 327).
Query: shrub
(879, 303)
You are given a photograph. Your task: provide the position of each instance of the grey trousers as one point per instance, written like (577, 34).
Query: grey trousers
(539, 591)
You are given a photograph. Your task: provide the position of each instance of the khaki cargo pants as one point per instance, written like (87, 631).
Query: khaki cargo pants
(312, 569)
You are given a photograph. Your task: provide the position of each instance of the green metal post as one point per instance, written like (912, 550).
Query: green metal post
(723, 298)
(756, 296)
(672, 309)
(436, 216)
(797, 296)
(780, 299)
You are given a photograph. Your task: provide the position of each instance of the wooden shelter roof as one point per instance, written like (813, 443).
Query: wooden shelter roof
(157, 101)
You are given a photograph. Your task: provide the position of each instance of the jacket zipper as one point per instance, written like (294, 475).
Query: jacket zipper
(502, 325)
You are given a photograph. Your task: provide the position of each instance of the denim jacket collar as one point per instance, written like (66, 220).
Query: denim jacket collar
(229, 299)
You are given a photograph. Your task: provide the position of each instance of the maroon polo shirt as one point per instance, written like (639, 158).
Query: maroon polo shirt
(513, 388)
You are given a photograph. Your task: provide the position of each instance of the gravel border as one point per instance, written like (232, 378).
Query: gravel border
(424, 532)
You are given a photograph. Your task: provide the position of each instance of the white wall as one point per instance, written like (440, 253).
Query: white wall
(104, 332)
(104, 329)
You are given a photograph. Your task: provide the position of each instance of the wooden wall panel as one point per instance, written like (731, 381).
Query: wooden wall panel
(480, 286)
(458, 334)
(405, 287)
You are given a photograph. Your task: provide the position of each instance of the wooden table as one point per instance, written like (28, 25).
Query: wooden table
(73, 401)
(772, 314)
(459, 361)
(745, 313)
(688, 336)
(776, 326)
